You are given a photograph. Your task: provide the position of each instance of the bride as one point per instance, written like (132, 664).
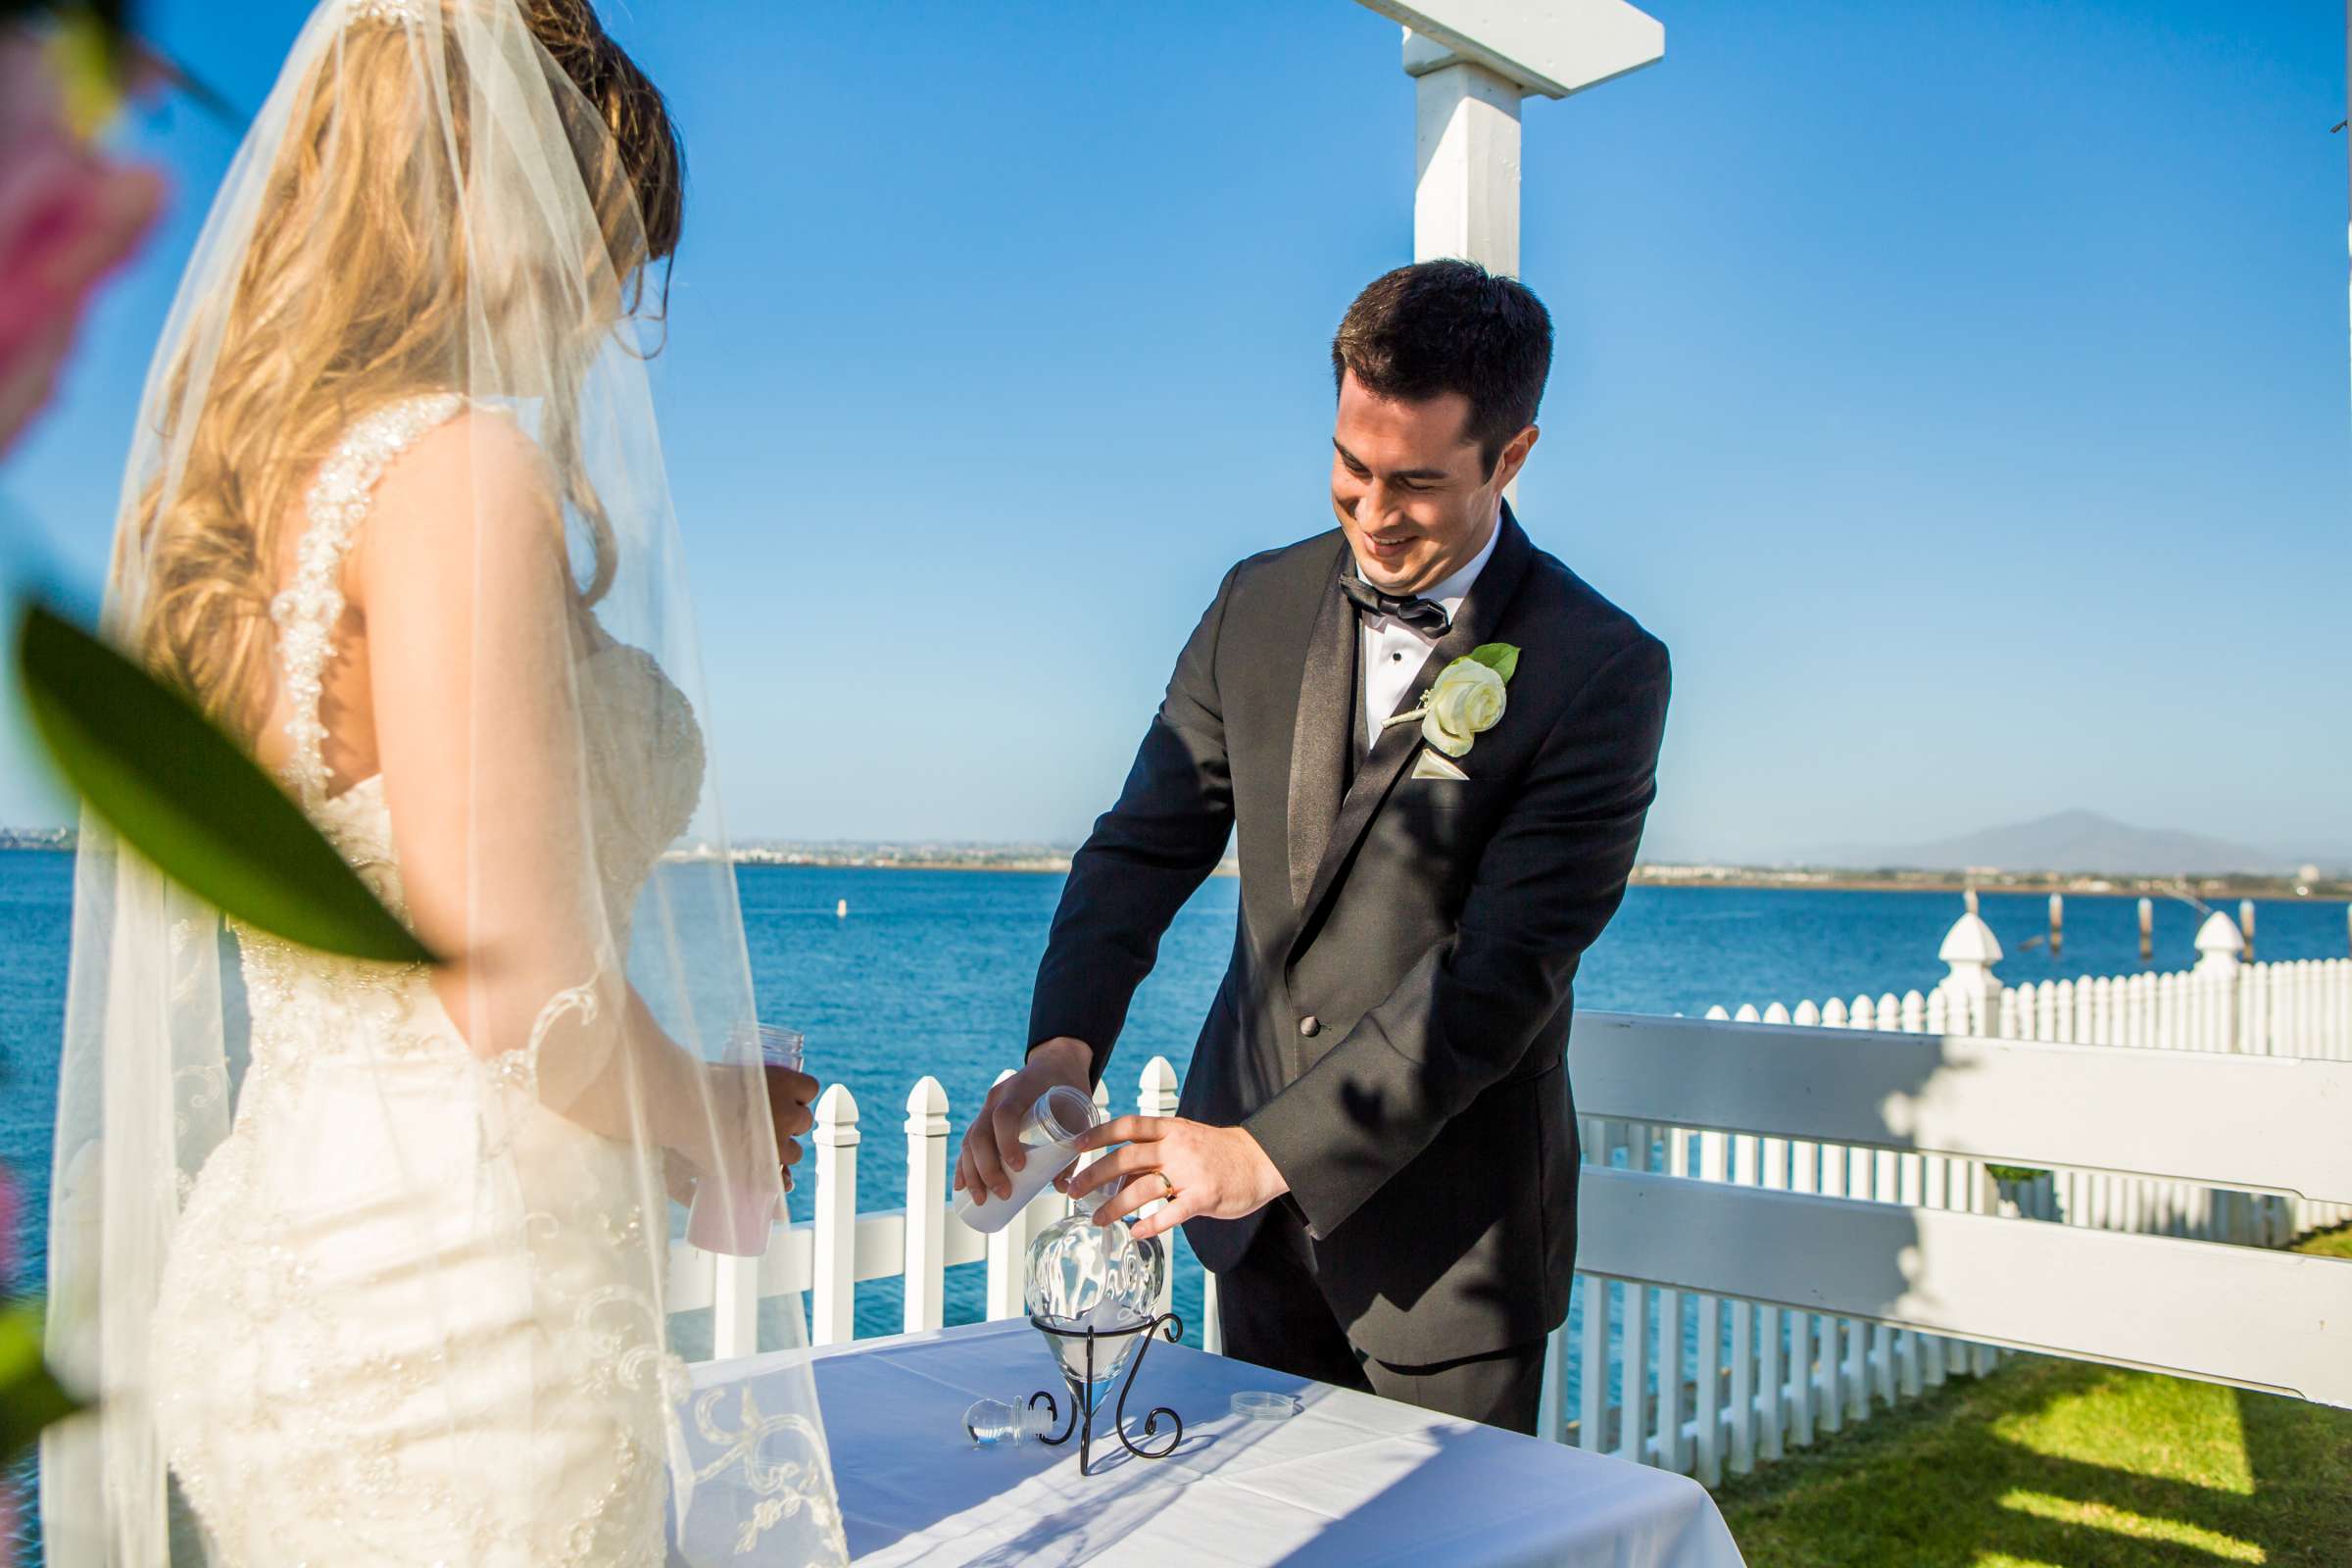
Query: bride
(371, 1259)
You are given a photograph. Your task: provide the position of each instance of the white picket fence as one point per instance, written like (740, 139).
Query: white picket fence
(1696, 1381)
(1753, 1380)
(2297, 1009)
(1794, 1374)
(830, 1254)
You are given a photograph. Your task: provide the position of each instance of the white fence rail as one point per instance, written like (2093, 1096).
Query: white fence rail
(1913, 1263)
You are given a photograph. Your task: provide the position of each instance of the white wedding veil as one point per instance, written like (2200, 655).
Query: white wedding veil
(396, 513)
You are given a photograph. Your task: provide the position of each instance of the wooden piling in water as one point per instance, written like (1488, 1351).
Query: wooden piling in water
(2057, 923)
(2245, 925)
(2147, 930)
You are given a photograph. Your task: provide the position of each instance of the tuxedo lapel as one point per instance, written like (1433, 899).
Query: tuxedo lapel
(1481, 618)
(1319, 737)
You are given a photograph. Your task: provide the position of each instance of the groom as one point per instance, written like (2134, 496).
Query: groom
(1438, 744)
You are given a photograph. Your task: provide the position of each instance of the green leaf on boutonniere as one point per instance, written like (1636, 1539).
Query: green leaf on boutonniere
(184, 795)
(1501, 658)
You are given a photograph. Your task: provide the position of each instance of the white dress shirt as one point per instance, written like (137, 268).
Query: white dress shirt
(1394, 653)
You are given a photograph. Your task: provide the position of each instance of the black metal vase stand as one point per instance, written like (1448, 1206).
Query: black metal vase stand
(1084, 1410)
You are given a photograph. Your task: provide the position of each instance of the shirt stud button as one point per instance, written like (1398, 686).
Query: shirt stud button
(1310, 1026)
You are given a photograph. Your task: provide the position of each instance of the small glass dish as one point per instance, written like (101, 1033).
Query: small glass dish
(1261, 1404)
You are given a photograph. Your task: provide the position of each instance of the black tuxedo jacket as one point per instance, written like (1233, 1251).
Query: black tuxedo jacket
(1394, 1024)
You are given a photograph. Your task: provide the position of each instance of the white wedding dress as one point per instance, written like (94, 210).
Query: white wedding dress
(406, 1316)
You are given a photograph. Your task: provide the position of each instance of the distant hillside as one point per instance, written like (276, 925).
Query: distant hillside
(2070, 841)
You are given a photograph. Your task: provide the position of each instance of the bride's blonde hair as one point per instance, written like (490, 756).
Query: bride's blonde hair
(355, 293)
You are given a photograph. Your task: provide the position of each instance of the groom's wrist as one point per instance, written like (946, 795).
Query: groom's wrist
(1066, 1054)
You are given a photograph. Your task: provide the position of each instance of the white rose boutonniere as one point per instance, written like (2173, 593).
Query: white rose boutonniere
(1466, 700)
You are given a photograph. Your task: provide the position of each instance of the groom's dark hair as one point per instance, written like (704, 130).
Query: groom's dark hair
(1450, 327)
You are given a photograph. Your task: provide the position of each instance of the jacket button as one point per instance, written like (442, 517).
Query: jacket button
(1310, 1026)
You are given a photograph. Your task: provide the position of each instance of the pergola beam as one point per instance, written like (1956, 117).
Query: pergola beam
(1472, 61)
(1549, 48)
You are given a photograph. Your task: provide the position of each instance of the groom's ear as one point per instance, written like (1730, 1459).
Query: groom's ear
(1514, 456)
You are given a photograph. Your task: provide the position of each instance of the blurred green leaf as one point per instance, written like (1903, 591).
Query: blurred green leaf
(187, 797)
(29, 1398)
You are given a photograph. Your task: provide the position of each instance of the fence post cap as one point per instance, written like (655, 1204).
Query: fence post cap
(1160, 1073)
(927, 1099)
(2219, 936)
(1970, 941)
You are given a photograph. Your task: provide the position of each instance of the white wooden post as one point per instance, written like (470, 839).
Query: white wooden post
(926, 1205)
(1156, 1096)
(2219, 949)
(1466, 151)
(1741, 1168)
(1593, 1364)
(1552, 1399)
(1713, 1166)
(1774, 1162)
(1934, 1192)
(835, 1283)
(1669, 1381)
(1633, 1360)
(734, 1305)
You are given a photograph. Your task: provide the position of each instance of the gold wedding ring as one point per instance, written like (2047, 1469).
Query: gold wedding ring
(1169, 1184)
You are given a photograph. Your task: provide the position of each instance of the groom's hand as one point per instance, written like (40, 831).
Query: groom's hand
(1203, 1172)
(992, 1145)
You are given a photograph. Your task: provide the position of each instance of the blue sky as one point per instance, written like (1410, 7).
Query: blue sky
(1959, 389)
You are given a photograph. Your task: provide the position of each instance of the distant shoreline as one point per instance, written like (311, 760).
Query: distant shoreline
(2071, 884)
(1043, 860)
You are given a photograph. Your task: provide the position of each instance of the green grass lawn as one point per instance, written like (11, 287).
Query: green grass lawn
(2061, 1464)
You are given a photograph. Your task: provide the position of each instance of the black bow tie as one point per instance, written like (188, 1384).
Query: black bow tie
(1424, 615)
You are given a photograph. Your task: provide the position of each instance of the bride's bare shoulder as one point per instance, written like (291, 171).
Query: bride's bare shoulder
(472, 457)
(475, 480)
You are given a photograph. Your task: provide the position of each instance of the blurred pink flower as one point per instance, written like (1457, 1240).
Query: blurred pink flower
(68, 217)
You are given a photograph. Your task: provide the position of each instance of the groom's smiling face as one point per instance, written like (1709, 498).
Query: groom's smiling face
(1411, 489)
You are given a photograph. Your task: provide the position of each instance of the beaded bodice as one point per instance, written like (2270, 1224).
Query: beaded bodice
(643, 765)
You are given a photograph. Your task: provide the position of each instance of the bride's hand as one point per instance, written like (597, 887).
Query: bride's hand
(679, 1177)
(789, 1095)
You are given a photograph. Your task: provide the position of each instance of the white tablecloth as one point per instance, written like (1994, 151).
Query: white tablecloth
(1351, 1479)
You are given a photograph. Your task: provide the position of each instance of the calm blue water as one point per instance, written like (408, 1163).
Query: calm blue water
(930, 973)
